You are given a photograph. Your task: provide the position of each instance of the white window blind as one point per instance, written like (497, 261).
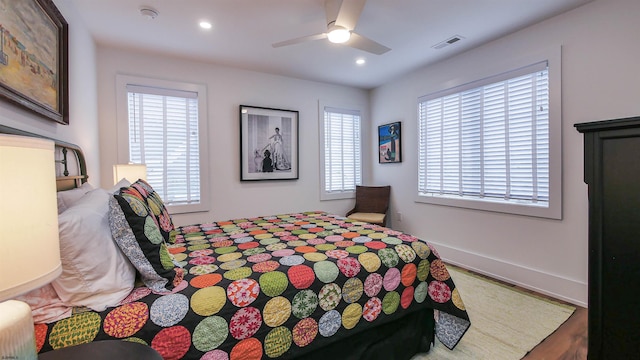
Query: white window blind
(163, 134)
(488, 140)
(342, 150)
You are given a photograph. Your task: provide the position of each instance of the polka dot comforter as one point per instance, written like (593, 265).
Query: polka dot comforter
(276, 287)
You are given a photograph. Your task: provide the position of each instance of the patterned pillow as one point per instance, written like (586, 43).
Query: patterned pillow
(156, 205)
(136, 231)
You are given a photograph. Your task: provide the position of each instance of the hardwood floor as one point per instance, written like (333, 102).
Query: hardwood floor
(568, 342)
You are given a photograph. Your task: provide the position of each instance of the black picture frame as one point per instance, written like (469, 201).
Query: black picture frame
(269, 143)
(34, 58)
(390, 143)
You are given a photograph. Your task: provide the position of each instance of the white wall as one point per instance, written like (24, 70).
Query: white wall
(600, 77)
(227, 88)
(83, 118)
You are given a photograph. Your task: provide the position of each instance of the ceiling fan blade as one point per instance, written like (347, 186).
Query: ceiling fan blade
(300, 40)
(368, 45)
(349, 13)
(331, 8)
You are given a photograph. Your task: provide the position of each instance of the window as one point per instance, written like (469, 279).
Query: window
(341, 158)
(486, 145)
(164, 129)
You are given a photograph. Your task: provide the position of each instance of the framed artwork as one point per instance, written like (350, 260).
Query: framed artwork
(268, 144)
(34, 58)
(389, 149)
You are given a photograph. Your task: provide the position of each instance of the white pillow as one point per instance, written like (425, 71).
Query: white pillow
(122, 183)
(95, 272)
(68, 197)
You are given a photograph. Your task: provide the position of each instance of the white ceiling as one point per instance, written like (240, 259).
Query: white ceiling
(243, 31)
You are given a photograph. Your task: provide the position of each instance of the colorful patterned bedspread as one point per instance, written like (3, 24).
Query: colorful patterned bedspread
(276, 286)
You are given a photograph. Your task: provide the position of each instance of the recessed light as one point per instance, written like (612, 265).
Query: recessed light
(205, 25)
(360, 61)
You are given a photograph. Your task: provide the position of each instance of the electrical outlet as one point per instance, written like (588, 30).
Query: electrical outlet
(399, 216)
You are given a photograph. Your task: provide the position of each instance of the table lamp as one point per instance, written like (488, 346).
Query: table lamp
(131, 172)
(29, 244)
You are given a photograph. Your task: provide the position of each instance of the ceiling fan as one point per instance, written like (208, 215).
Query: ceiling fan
(342, 17)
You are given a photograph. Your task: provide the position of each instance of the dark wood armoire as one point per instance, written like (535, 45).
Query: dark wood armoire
(612, 171)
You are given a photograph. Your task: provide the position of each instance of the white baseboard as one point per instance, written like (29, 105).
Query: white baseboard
(558, 287)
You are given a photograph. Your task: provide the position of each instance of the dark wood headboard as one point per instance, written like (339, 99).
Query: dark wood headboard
(66, 181)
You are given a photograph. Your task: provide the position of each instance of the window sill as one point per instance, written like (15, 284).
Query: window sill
(553, 211)
(187, 209)
(337, 196)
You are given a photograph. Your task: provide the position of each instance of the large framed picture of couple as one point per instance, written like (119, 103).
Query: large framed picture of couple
(268, 144)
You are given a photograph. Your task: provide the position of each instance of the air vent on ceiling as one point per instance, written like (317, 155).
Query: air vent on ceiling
(448, 42)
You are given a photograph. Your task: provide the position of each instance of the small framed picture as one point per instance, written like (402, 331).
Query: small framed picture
(268, 144)
(389, 149)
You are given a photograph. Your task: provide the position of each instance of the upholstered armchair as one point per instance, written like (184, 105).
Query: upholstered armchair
(372, 204)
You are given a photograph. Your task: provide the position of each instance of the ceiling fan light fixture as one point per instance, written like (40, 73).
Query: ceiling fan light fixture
(338, 35)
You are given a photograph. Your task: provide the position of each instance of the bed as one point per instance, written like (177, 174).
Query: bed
(309, 285)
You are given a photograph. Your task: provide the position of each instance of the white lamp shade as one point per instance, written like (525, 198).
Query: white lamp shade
(28, 215)
(131, 172)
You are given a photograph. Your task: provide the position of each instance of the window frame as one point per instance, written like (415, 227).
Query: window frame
(122, 124)
(554, 211)
(345, 194)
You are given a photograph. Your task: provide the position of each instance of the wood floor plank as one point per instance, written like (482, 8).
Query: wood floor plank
(568, 342)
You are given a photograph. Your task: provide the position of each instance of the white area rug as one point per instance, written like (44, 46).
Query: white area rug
(505, 323)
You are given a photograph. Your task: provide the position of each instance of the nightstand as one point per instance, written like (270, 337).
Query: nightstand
(103, 350)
